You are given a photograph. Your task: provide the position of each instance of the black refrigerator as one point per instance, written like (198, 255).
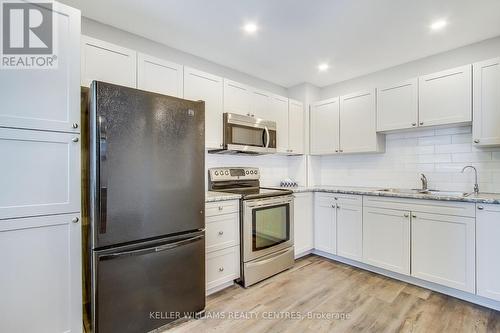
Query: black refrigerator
(147, 198)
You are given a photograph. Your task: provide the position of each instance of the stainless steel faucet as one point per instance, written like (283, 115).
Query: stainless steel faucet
(424, 182)
(476, 185)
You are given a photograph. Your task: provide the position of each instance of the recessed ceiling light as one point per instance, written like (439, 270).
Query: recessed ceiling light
(323, 67)
(438, 25)
(250, 28)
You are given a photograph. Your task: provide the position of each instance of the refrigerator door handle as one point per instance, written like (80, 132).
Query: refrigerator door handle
(151, 249)
(103, 176)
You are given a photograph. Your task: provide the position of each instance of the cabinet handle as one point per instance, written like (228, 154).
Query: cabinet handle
(221, 208)
(480, 207)
(341, 150)
(414, 124)
(221, 269)
(421, 123)
(414, 216)
(221, 233)
(337, 206)
(74, 139)
(75, 219)
(476, 141)
(75, 125)
(336, 150)
(333, 206)
(407, 215)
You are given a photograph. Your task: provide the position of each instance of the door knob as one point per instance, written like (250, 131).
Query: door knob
(75, 219)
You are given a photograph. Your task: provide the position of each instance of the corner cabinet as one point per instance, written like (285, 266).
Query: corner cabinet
(159, 76)
(486, 106)
(446, 97)
(107, 62)
(325, 127)
(296, 127)
(488, 248)
(203, 86)
(397, 106)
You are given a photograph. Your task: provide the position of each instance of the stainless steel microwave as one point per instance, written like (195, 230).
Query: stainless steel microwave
(248, 135)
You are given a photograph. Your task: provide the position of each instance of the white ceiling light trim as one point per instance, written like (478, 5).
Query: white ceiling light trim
(251, 28)
(439, 25)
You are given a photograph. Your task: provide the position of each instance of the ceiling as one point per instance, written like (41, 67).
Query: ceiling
(355, 37)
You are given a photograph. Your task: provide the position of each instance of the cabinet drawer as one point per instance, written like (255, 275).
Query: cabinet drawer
(40, 173)
(222, 266)
(454, 208)
(221, 207)
(222, 231)
(329, 199)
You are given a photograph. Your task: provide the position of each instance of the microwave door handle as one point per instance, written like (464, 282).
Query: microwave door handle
(268, 137)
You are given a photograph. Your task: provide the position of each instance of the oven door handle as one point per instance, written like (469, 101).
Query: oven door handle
(269, 203)
(268, 137)
(273, 257)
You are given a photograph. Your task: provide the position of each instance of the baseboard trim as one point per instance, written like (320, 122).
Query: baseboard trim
(472, 298)
(219, 288)
(303, 254)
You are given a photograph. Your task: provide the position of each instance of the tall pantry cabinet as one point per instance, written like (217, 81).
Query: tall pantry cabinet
(40, 228)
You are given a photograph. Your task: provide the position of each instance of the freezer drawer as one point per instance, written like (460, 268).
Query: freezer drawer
(139, 288)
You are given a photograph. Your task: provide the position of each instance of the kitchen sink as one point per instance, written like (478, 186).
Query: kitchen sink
(428, 192)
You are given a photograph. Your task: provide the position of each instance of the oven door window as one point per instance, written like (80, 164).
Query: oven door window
(270, 226)
(247, 136)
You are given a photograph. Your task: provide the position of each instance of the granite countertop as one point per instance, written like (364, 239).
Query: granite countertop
(211, 196)
(486, 198)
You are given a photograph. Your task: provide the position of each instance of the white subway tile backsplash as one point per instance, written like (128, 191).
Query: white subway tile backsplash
(439, 153)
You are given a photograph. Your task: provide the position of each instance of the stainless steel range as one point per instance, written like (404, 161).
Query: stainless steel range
(266, 217)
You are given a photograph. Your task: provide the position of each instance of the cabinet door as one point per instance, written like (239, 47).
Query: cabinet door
(350, 231)
(443, 250)
(358, 132)
(237, 98)
(199, 85)
(488, 248)
(446, 97)
(397, 106)
(386, 239)
(41, 274)
(303, 226)
(279, 114)
(486, 123)
(296, 127)
(159, 76)
(261, 105)
(325, 229)
(40, 173)
(325, 127)
(107, 62)
(47, 99)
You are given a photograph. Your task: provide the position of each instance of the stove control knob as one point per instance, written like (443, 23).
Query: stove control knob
(216, 173)
(227, 173)
(247, 172)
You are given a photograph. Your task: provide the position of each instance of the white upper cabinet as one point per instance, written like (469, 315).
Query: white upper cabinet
(159, 76)
(107, 62)
(324, 133)
(443, 250)
(486, 123)
(296, 128)
(358, 132)
(47, 99)
(446, 97)
(397, 106)
(40, 173)
(237, 98)
(203, 86)
(261, 105)
(488, 248)
(279, 114)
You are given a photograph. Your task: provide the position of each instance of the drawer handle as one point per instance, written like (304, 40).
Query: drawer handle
(414, 216)
(221, 269)
(480, 207)
(221, 208)
(407, 215)
(221, 233)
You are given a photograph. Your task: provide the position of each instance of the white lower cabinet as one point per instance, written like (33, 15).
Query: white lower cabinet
(488, 250)
(350, 230)
(443, 250)
(222, 238)
(303, 226)
(386, 239)
(41, 275)
(325, 229)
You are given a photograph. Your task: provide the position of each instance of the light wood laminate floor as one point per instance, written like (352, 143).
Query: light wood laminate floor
(369, 302)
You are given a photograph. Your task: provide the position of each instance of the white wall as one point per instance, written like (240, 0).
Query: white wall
(438, 153)
(120, 37)
(487, 49)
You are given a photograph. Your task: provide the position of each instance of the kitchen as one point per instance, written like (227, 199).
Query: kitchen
(389, 151)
